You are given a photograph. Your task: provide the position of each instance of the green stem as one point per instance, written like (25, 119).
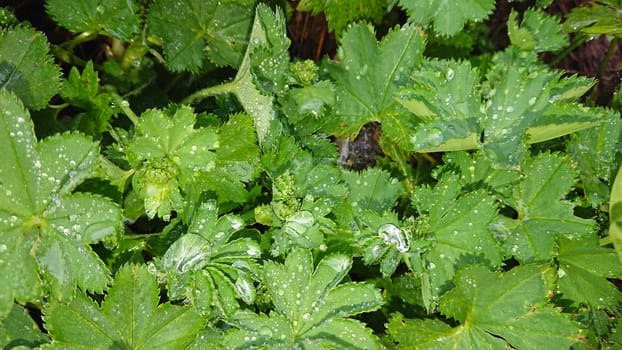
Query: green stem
(603, 66)
(125, 107)
(211, 91)
(605, 63)
(79, 39)
(578, 41)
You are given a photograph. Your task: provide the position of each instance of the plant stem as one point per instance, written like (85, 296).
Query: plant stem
(578, 41)
(225, 88)
(125, 107)
(603, 67)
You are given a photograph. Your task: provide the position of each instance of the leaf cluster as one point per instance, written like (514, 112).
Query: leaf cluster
(189, 190)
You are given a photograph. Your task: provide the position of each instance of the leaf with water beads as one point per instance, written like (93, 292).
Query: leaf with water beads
(129, 316)
(37, 207)
(116, 17)
(582, 272)
(448, 17)
(383, 239)
(457, 225)
(207, 268)
(595, 151)
(169, 154)
(311, 309)
(522, 106)
(26, 68)
(513, 314)
(369, 73)
(192, 30)
(537, 32)
(543, 214)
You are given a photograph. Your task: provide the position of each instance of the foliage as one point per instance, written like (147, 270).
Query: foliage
(203, 167)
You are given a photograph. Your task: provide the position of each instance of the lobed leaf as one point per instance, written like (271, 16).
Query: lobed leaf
(192, 30)
(209, 269)
(129, 317)
(310, 308)
(583, 269)
(511, 314)
(543, 215)
(459, 229)
(116, 17)
(538, 31)
(38, 210)
(522, 106)
(369, 73)
(448, 17)
(340, 14)
(82, 91)
(26, 67)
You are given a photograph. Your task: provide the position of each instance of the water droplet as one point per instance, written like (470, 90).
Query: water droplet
(392, 234)
(450, 74)
(435, 137)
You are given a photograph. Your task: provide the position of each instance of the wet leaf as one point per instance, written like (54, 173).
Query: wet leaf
(582, 272)
(208, 268)
(129, 317)
(458, 226)
(26, 67)
(38, 209)
(311, 309)
(369, 73)
(521, 107)
(523, 323)
(543, 214)
(216, 29)
(448, 17)
(117, 17)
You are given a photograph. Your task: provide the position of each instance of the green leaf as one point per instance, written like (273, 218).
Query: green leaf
(170, 154)
(521, 107)
(26, 67)
(597, 18)
(195, 29)
(537, 32)
(267, 26)
(46, 230)
(458, 227)
(19, 329)
(340, 14)
(129, 317)
(116, 17)
(583, 269)
(369, 73)
(208, 268)
(615, 214)
(416, 333)
(385, 240)
(595, 151)
(543, 214)
(311, 309)
(372, 189)
(270, 59)
(495, 311)
(82, 91)
(237, 161)
(448, 17)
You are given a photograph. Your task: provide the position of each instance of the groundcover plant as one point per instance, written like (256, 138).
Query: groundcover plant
(174, 176)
